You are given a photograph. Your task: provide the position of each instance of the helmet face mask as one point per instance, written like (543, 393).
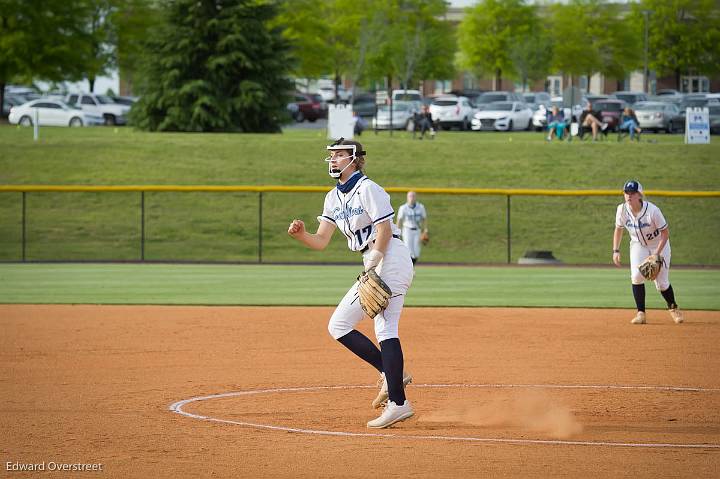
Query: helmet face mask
(338, 146)
(336, 173)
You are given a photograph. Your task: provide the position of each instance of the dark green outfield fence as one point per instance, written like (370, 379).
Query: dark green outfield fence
(249, 223)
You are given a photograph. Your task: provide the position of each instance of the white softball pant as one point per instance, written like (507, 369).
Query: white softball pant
(396, 270)
(638, 254)
(411, 238)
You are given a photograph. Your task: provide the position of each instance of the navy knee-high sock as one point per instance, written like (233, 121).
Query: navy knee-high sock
(639, 295)
(392, 360)
(669, 296)
(359, 344)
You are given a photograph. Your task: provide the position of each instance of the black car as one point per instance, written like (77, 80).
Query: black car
(714, 118)
(364, 105)
(470, 94)
(493, 96)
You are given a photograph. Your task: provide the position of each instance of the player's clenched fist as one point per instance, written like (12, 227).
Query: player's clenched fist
(616, 259)
(296, 228)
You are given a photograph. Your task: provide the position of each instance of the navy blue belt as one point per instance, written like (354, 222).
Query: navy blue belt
(367, 246)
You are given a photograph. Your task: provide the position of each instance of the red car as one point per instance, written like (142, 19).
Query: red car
(610, 112)
(308, 107)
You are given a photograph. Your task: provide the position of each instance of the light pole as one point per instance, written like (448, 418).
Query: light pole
(646, 14)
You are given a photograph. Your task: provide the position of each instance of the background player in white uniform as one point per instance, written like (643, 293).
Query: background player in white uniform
(362, 211)
(412, 221)
(649, 235)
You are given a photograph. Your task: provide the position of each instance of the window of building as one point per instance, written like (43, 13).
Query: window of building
(555, 85)
(584, 83)
(469, 81)
(442, 86)
(694, 84)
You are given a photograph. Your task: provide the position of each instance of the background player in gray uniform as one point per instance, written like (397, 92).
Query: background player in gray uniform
(412, 221)
(649, 234)
(361, 209)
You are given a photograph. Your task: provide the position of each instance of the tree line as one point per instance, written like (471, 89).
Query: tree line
(219, 65)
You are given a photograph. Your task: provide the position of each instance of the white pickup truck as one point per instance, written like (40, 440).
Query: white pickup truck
(100, 105)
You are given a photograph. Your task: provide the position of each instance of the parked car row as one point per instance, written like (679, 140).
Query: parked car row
(507, 111)
(24, 106)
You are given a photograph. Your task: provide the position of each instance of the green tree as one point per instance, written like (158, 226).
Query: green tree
(573, 52)
(132, 20)
(592, 36)
(616, 38)
(417, 43)
(441, 48)
(486, 34)
(531, 55)
(214, 65)
(41, 40)
(683, 36)
(364, 40)
(419, 40)
(100, 45)
(333, 37)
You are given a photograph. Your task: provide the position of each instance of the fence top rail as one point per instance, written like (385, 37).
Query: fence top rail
(325, 189)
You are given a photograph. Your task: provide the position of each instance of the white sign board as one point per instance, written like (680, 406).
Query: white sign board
(697, 126)
(341, 123)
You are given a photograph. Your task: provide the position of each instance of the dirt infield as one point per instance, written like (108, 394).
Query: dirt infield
(93, 384)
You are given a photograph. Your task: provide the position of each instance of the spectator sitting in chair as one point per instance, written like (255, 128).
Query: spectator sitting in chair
(590, 119)
(556, 123)
(424, 123)
(629, 123)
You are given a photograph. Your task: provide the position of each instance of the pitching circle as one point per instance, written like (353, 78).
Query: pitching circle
(177, 408)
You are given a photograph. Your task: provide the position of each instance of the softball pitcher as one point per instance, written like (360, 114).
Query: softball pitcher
(361, 209)
(412, 221)
(649, 235)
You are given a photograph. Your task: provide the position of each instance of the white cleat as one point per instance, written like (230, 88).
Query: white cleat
(382, 396)
(639, 318)
(676, 315)
(392, 414)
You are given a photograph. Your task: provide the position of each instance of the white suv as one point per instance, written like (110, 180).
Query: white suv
(100, 105)
(450, 110)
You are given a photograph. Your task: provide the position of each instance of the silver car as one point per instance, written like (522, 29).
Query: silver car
(657, 115)
(403, 113)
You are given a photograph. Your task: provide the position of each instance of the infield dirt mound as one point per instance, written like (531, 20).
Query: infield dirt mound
(93, 384)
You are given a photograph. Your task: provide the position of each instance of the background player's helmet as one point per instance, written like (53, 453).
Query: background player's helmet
(356, 153)
(633, 186)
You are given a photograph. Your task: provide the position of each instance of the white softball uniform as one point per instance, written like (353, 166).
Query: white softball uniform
(356, 213)
(644, 230)
(411, 217)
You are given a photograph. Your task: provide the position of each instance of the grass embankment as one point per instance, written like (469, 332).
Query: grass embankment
(224, 227)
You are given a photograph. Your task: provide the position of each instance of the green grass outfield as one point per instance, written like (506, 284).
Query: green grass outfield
(224, 227)
(325, 285)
